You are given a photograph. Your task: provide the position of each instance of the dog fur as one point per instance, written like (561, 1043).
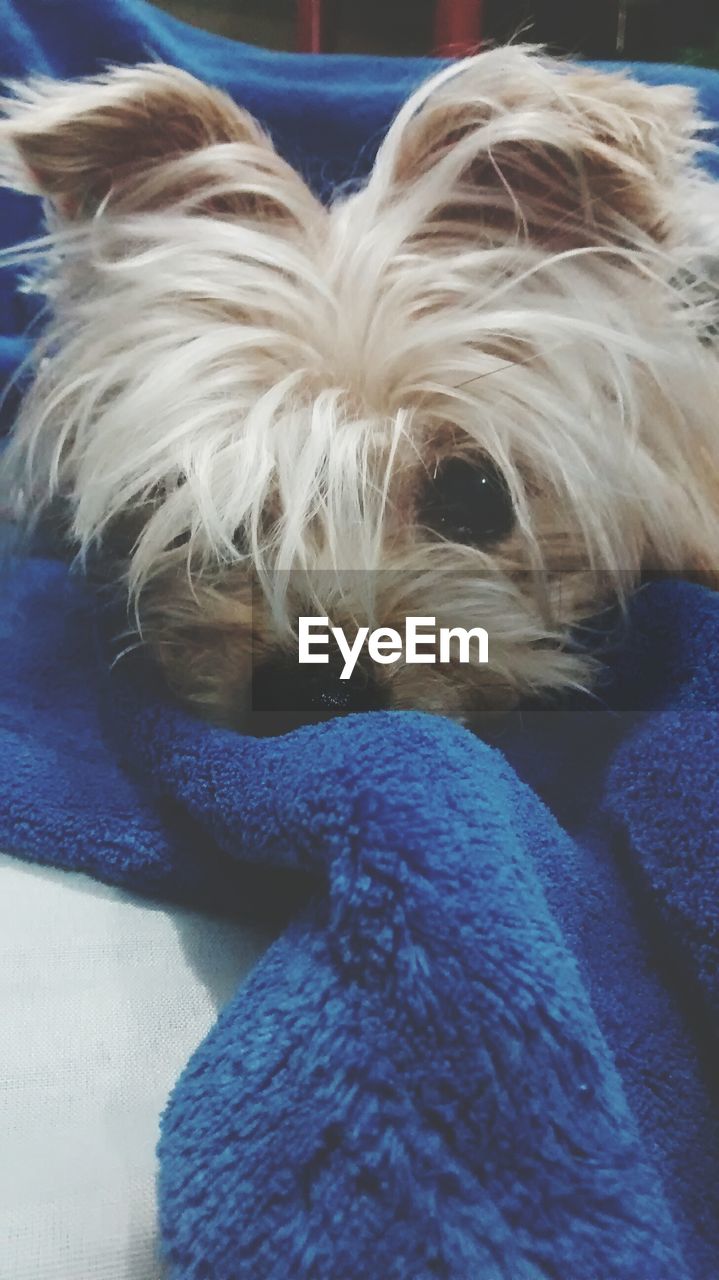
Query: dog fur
(245, 397)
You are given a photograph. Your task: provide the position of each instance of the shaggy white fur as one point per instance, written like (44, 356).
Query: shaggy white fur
(249, 400)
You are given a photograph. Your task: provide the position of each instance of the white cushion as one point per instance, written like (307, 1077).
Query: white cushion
(103, 998)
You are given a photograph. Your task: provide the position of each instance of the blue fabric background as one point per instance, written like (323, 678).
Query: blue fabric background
(486, 1044)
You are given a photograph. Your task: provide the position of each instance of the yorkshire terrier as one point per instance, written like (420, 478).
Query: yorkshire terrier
(483, 387)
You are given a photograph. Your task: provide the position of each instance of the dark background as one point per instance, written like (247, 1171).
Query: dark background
(657, 30)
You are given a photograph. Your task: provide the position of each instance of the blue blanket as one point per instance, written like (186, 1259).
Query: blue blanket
(484, 1046)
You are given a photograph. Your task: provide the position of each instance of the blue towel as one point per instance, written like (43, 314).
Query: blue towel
(485, 1045)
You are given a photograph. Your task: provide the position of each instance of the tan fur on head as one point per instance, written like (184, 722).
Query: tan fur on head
(247, 399)
(141, 138)
(573, 156)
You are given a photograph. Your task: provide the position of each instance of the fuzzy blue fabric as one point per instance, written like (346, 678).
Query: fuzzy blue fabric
(484, 1048)
(485, 1044)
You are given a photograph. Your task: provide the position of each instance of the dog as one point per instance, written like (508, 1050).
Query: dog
(483, 386)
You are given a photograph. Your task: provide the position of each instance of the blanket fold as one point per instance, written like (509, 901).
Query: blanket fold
(422, 1089)
(484, 1047)
(461, 1058)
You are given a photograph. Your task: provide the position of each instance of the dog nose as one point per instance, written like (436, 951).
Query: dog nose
(313, 692)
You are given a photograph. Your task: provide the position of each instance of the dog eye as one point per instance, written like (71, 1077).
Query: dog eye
(468, 502)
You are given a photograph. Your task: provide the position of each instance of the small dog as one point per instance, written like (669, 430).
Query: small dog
(483, 387)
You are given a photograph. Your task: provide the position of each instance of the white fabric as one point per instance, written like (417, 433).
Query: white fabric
(103, 997)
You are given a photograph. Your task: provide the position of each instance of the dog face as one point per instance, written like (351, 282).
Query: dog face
(475, 389)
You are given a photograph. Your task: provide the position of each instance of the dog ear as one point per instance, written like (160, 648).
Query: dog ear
(142, 138)
(511, 140)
